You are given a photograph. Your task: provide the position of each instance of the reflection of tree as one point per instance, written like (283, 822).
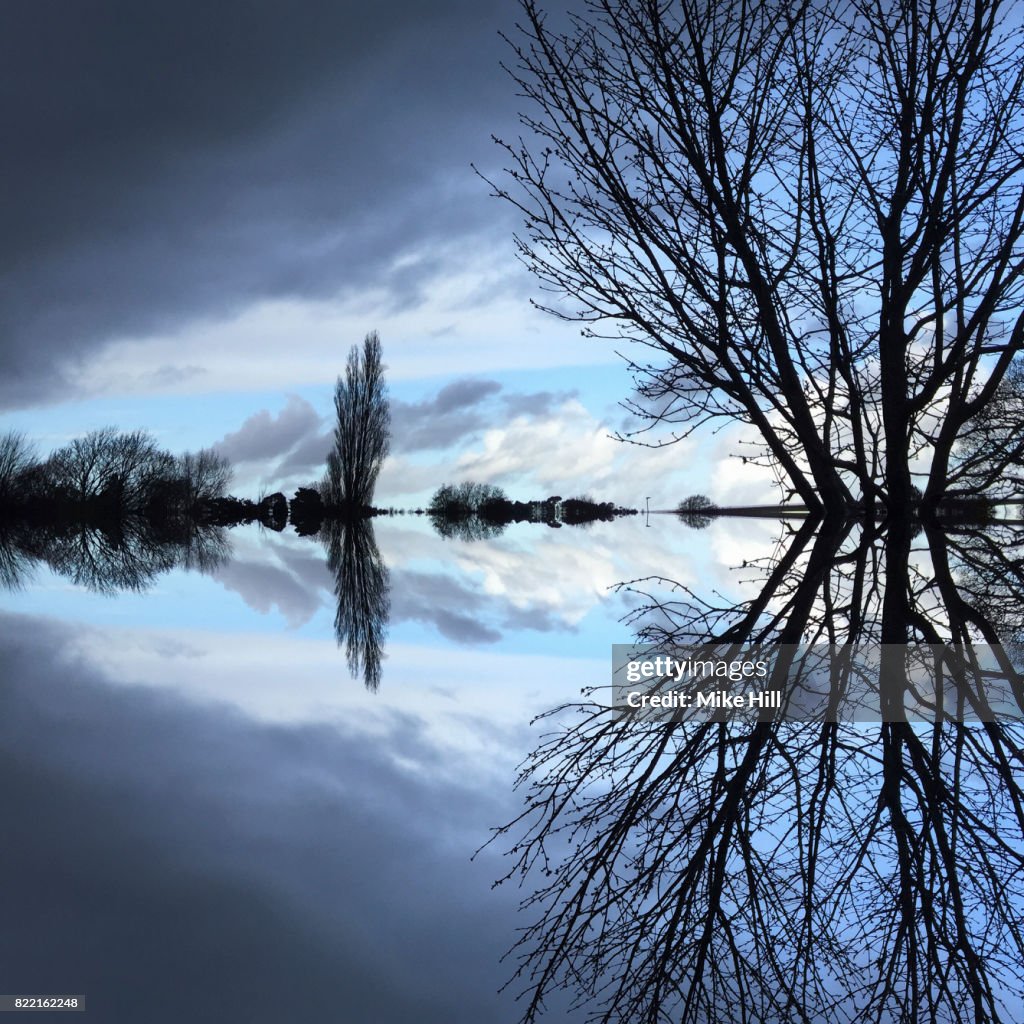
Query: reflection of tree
(109, 555)
(462, 511)
(694, 511)
(362, 589)
(784, 871)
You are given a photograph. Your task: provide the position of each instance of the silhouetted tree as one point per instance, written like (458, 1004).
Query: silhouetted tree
(455, 501)
(694, 511)
(362, 589)
(306, 511)
(205, 475)
(362, 434)
(121, 471)
(17, 458)
(811, 213)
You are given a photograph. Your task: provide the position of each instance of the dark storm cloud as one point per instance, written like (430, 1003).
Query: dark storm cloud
(167, 162)
(178, 862)
(454, 414)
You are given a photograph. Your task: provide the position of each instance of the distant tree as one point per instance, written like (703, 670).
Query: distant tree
(362, 433)
(989, 455)
(457, 501)
(693, 511)
(460, 511)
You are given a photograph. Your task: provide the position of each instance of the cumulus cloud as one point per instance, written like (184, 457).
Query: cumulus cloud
(452, 415)
(452, 607)
(263, 436)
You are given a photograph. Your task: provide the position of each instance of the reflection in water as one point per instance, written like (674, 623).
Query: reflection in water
(134, 555)
(362, 589)
(110, 555)
(781, 870)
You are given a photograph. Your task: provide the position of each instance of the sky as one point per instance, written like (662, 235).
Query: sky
(204, 207)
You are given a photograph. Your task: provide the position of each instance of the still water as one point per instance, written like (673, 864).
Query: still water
(209, 819)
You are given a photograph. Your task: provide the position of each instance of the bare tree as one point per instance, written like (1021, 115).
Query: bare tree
(205, 475)
(362, 434)
(781, 871)
(17, 458)
(811, 213)
(120, 470)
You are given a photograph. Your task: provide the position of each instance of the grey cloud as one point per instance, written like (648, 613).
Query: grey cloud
(436, 599)
(452, 415)
(166, 163)
(178, 862)
(264, 587)
(462, 409)
(461, 393)
(538, 404)
(308, 457)
(263, 436)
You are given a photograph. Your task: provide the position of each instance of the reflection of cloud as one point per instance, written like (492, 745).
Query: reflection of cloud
(264, 872)
(291, 576)
(453, 608)
(537, 579)
(264, 587)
